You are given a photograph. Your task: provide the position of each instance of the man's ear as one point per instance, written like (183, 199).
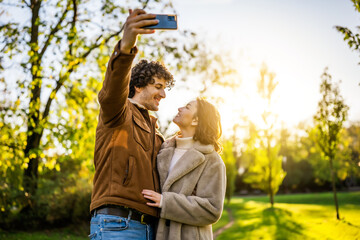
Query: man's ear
(195, 122)
(138, 90)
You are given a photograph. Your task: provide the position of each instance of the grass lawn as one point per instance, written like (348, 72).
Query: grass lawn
(78, 232)
(46, 235)
(295, 216)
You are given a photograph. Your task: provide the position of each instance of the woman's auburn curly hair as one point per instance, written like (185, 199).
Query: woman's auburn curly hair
(208, 130)
(143, 72)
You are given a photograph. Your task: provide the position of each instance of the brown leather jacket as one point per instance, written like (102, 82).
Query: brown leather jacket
(127, 143)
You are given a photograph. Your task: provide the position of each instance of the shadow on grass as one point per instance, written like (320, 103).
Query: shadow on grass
(327, 198)
(350, 224)
(285, 226)
(270, 223)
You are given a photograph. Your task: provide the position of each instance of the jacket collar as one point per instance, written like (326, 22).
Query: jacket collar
(140, 114)
(136, 103)
(188, 162)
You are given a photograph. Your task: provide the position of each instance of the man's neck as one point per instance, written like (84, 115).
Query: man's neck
(136, 102)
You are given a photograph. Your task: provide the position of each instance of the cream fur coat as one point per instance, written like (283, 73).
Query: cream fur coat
(193, 193)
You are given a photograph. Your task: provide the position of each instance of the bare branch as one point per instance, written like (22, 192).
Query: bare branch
(73, 25)
(145, 4)
(27, 4)
(59, 84)
(54, 31)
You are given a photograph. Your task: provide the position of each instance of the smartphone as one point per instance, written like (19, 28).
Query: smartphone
(166, 21)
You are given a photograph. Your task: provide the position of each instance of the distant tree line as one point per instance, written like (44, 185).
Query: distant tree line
(306, 168)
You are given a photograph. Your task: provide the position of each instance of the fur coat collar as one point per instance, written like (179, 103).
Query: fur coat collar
(189, 161)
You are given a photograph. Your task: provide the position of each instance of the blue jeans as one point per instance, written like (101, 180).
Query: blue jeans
(105, 227)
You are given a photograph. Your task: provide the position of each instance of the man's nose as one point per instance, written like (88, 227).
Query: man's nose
(162, 93)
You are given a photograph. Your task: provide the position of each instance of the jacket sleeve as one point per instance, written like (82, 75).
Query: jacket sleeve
(206, 207)
(115, 90)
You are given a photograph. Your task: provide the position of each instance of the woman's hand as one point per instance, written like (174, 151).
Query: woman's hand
(153, 196)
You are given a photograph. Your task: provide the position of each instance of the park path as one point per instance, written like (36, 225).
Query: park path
(228, 225)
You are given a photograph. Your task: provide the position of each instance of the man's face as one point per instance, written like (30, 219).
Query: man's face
(150, 95)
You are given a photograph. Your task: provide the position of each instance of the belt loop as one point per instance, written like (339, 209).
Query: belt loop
(129, 216)
(95, 213)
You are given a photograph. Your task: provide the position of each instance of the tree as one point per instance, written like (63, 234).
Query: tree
(266, 171)
(353, 138)
(230, 163)
(320, 163)
(48, 118)
(294, 163)
(353, 39)
(331, 114)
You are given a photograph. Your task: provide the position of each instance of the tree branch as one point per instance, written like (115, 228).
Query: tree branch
(54, 31)
(73, 25)
(61, 80)
(145, 4)
(27, 4)
(59, 84)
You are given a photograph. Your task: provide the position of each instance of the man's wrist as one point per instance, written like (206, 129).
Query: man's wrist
(125, 50)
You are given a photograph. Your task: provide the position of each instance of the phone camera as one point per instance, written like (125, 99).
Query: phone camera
(171, 18)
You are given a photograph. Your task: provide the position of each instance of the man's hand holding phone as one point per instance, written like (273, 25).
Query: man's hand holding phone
(134, 25)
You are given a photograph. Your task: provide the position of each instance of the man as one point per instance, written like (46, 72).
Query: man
(127, 140)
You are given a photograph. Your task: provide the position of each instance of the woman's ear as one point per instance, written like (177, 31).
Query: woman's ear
(195, 121)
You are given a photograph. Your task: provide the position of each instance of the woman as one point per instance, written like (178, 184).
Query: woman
(192, 175)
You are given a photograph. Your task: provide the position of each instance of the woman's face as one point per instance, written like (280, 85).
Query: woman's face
(185, 116)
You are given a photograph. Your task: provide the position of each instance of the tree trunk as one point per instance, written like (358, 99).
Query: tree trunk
(31, 172)
(271, 192)
(34, 132)
(334, 188)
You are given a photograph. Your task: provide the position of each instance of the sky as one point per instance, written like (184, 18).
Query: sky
(297, 41)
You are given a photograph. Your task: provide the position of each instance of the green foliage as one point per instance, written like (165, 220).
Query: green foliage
(295, 163)
(353, 39)
(48, 119)
(262, 151)
(320, 163)
(259, 173)
(352, 138)
(332, 113)
(230, 162)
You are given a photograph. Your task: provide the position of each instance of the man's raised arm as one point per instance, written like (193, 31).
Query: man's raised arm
(115, 90)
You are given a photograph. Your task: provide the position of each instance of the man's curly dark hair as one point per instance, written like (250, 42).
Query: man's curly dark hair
(143, 72)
